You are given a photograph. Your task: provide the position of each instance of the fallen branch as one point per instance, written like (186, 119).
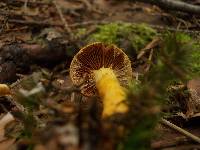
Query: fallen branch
(175, 5)
(180, 130)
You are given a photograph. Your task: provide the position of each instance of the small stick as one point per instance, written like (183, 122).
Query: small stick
(67, 28)
(25, 6)
(148, 47)
(180, 130)
(149, 60)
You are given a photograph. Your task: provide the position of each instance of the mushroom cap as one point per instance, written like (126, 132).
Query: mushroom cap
(95, 56)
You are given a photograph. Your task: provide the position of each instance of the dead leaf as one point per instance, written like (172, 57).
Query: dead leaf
(7, 144)
(3, 122)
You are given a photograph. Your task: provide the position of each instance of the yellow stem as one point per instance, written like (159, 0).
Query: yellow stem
(109, 89)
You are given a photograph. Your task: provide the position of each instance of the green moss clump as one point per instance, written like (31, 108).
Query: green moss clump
(189, 54)
(195, 62)
(181, 51)
(129, 36)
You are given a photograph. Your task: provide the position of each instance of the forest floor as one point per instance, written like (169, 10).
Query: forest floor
(38, 40)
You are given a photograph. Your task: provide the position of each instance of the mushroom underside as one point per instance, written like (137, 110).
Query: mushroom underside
(96, 56)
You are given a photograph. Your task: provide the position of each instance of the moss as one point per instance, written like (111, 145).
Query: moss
(195, 62)
(182, 51)
(192, 46)
(129, 36)
(184, 38)
(134, 37)
(106, 33)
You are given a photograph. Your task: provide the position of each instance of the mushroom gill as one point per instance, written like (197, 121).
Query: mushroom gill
(104, 70)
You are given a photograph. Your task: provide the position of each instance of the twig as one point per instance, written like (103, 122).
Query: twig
(67, 28)
(25, 6)
(175, 5)
(180, 130)
(148, 47)
(149, 60)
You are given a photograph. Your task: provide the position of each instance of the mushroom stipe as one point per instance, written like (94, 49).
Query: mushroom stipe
(105, 70)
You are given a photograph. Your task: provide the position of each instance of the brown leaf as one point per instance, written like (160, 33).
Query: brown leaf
(7, 144)
(3, 122)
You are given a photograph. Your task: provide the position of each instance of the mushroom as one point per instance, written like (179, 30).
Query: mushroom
(104, 70)
(4, 90)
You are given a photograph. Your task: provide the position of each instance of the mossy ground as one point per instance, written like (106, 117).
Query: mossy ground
(131, 37)
(134, 37)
